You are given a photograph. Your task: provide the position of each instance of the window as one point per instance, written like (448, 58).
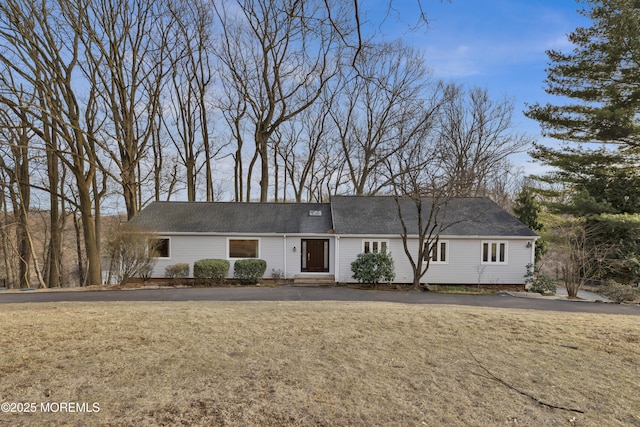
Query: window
(241, 248)
(494, 252)
(374, 246)
(438, 252)
(159, 248)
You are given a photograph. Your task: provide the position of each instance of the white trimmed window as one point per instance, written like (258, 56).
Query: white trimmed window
(244, 248)
(375, 246)
(438, 253)
(494, 252)
(160, 248)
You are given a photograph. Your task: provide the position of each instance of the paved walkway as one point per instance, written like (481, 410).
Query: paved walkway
(585, 295)
(292, 293)
(561, 293)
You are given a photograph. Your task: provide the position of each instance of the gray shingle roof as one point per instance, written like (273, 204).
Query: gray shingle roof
(466, 216)
(373, 215)
(223, 217)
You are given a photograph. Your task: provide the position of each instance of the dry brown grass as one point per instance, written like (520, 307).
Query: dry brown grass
(317, 363)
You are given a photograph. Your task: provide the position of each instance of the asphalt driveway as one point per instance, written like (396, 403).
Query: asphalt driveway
(292, 293)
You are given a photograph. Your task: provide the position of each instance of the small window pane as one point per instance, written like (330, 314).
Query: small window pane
(443, 252)
(159, 248)
(243, 249)
(494, 252)
(367, 247)
(375, 247)
(383, 246)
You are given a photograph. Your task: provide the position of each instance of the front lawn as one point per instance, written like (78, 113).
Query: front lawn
(317, 363)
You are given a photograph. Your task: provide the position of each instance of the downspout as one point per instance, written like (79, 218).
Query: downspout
(336, 265)
(284, 252)
(533, 252)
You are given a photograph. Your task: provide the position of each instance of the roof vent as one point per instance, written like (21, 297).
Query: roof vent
(315, 213)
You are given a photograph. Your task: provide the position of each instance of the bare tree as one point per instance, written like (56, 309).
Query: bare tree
(126, 46)
(279, 56)
(580, 259)
(164, 175)
(8, 254)
(422, 195)
(302, 140)
(381, 105)
(131, 253)
(56, 209)
(42, 50)
(188, 125)
(327, 174)
(15, 161)
(476, 136)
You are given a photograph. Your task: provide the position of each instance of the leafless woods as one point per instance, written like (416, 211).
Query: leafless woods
(108, 105)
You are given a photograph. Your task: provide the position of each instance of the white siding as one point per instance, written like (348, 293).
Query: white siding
(190, 248)
(463, 266)
(187, 249)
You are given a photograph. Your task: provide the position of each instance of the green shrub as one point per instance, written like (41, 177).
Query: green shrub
(618, 292)
(544, 285)
(538, 282)
(373, 268)
(177, 271)
(249, 271)
(209, 271)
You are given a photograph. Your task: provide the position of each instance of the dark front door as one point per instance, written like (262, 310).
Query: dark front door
(315, 255)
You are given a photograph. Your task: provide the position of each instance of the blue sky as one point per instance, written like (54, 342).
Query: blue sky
(496, 44)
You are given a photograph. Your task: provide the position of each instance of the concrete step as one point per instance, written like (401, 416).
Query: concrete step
(314, 280)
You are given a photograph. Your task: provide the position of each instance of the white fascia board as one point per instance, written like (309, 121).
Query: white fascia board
(442, 236)
(210, 233)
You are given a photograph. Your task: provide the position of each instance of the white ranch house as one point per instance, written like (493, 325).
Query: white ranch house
(483, 243)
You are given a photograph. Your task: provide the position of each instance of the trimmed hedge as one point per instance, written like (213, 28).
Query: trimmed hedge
(177, 271)
(249, 271)
(208, 271)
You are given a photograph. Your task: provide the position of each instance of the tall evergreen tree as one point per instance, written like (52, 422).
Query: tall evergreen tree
(589, 182)
(527, 210)
(601, 76)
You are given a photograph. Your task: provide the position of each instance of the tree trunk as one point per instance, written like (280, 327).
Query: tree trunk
(79, 253)
(24, 254)
(237, 176)
(21, 205)
(262, 147)
(55, 242)
(94, 276)
(204, 125)
(129, 188)
(190, 165)
(6, 250)
(250, 174)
